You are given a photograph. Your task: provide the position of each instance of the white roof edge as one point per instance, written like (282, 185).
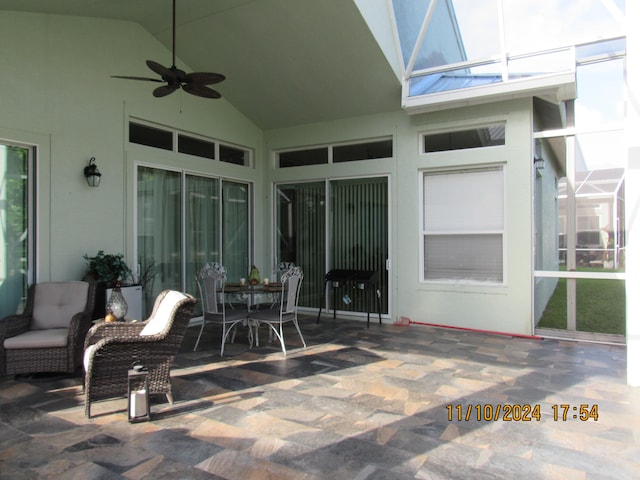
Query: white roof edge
(560, 86)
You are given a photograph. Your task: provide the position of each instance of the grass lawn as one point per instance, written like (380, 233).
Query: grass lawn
(601, 306)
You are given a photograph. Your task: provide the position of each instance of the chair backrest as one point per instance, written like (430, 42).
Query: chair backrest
(211, 279)
(55, 303)
(283, 268)
(291, 283)
(163, 312)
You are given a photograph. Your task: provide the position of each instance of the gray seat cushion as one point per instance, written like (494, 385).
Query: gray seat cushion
(51, 338)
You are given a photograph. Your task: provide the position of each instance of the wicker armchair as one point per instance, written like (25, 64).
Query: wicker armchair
(48, 336)
(112, 348)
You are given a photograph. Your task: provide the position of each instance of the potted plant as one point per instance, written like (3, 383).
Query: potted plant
(146, 278)
(106, 270)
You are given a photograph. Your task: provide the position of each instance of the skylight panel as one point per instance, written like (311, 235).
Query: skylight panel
(545, 24)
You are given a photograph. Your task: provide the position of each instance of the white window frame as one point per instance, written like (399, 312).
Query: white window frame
(424, 231)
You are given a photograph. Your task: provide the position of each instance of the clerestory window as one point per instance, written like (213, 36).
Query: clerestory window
(170, 139)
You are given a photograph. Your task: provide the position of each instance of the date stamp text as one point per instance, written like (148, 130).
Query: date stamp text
(515, 412)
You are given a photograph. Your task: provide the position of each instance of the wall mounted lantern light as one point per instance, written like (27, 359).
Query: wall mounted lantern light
(538, 162)
(92, 174)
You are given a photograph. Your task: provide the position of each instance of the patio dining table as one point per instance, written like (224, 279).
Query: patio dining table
(250, 291)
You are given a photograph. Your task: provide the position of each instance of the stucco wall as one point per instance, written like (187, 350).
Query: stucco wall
(503, 308)
(58, 93)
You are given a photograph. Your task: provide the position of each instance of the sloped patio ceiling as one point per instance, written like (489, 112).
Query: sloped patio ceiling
(287, 62)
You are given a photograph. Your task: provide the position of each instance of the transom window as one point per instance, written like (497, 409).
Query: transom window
(188, 143)
(348, 152)
(487, 136)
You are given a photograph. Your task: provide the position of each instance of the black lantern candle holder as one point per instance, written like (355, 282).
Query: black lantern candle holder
(138, 409)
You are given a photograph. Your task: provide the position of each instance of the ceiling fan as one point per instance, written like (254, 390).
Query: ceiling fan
(194, 83)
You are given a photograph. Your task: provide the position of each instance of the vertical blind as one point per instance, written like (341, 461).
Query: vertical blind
(359, 234)
(302, 235)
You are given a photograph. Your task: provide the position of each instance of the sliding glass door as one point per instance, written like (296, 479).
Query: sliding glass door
(301, 231)
(159, 230)
(359, 235)
(16, 234)
(202, 232)
(235, 229)
(186, 220)
(334, 224)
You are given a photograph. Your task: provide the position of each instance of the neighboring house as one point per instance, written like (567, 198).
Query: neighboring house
(601, 217)
(377, 156)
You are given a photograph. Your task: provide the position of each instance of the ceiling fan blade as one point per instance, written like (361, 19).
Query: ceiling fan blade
(204, 78)
(200, 90)
(174, 78)
(164, 90)
(159, 69)
(147, 79)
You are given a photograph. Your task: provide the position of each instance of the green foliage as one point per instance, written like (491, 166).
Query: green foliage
(600, 306)
(107, 268)
(16, 207)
